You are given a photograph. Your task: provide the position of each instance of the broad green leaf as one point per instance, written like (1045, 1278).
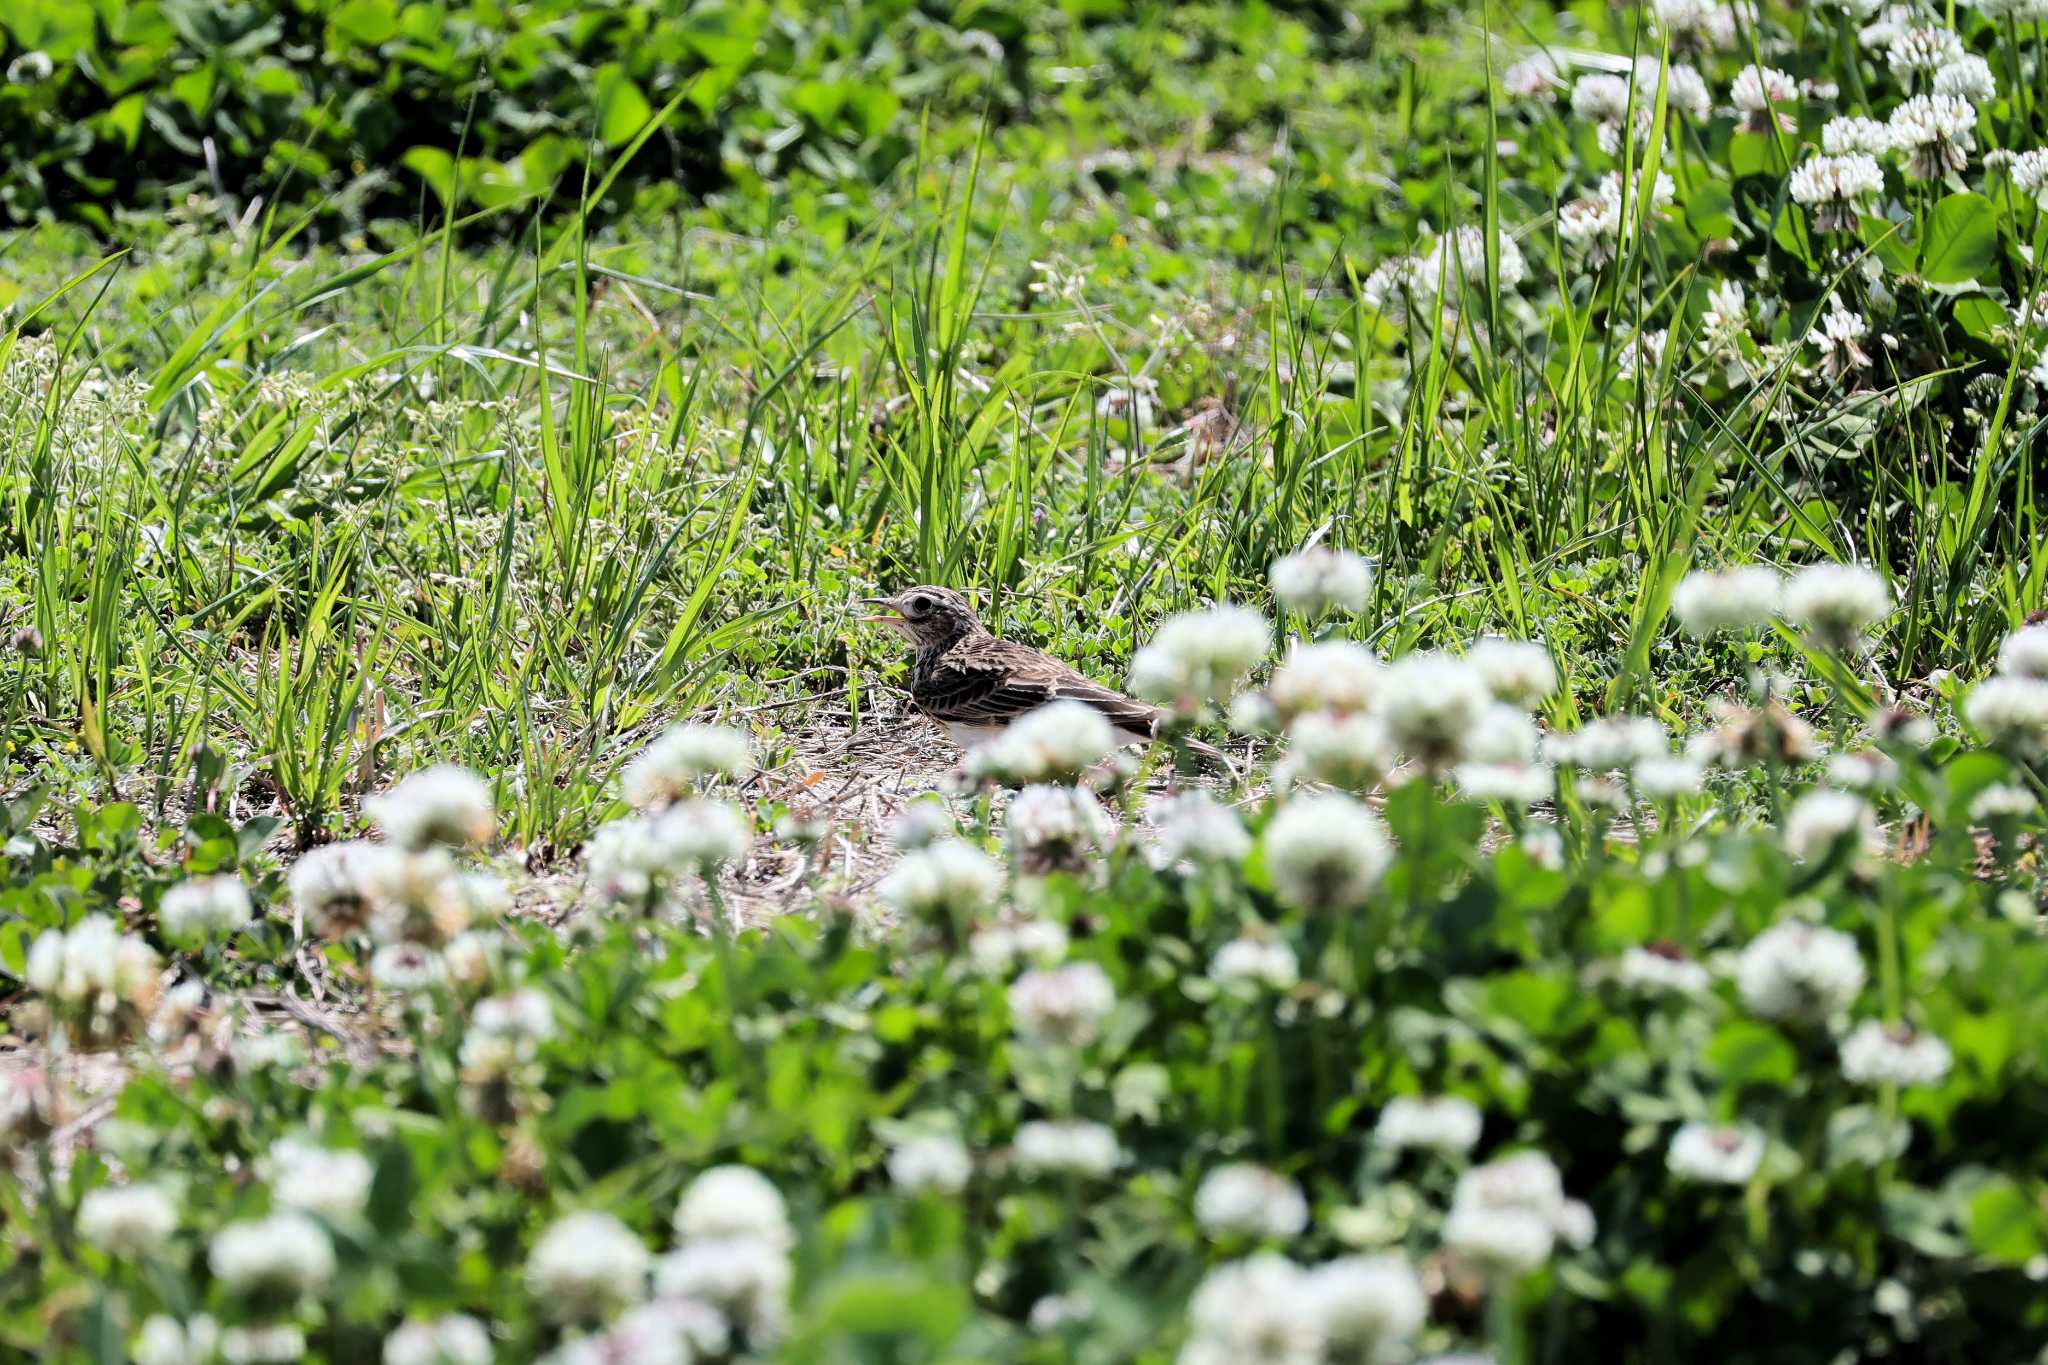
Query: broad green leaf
(1962, 240)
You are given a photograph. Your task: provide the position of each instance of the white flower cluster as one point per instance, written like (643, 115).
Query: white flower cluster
(1269, 1310)
(636, 860)
(1507, 1216)
(1256, 960)
(1321, 580)
(1761, 92)
(303, 1175)
(1742, 598)
(681, 760)
(1199, 657)
(1244, 1199)
(1600, 223)
(931, 1161)
(1057, 742)
(945, 880)
(444, 805)
(1066, 1147)
(96, 985)
(2010, 708)
(1936, 132)
(1415, 286)
(1835, 604)
(1193, 829)
(284, 1254)
(1822, 821)
(1835, 187)
(202, 908)
(1662, 968)
(456, 1339)
(1442, 1124)
(1874, 1054)
(1326, 852)
(1062, 1006)
(1715, 1154)
(998, 947)
(127, 1220)
(1056, 829)
(1799, 971)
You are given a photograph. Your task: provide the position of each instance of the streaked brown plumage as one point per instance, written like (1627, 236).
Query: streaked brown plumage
(974, 684)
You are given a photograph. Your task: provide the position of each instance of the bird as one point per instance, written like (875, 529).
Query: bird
(974, 683)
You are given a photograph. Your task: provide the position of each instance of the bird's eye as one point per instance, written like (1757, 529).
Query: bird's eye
(919, 605)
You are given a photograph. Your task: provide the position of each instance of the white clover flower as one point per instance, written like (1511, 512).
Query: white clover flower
(1320, 580)
(698, 836)
(948, 878)
(1743, 598)
(444, 804)
(1369, 1305)
(1968, 77)
(407, 968)
(1326, 852)
(681, 759)
(733, 1201)
(1668, 779)
(1599, 97)
(2024, 653)
(1199, 657)
(1821, 820)
(456, 1339)
(1725, 322)
(585, 1267)
(1243, 1199)
(998, 947)
(1461, 256)
(1877, 1055)
(2011, 713)
(1348, 750)
(339, 887)
(919, 824)
(1661, 968)
(1758, 92)
(1439, 1123)
(1401, 285)
(1840, 337)
(1196, 830)
(665, 1331)
(1850, 135)
(1686, 92)
(302, 1175)
(1061, 1005)
(1263, 1310)
(1642, 354)
(1833, 187)
(201, 908)
(2029, 173)
(933, 1161)
(1533, 75)
(1056, 742)
(1507, 1215)
(1509, 1242)
(1429, 703)
(1504, 734)
(1331, 675)
(1074, 1146)
(1610, 744)
(2002, 801)
(1864, 770)
(167, 1341)
(127, 1220)
(285, 1253)
(525, 1014)
(1937, 133)
(1518, 672)
(274, 1343)
(1920, 51)
(1715, 1154)
(1268, 962)
(1799, 971)
(1056, 829)
(1836, 603)
(745, 1277)
(625, 861)
(100, 982)
(1514, 783)
(1544, 847)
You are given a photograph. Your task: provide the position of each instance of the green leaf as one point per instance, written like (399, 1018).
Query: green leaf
(1962, 240)
(435, 167)
(1744, 1052)
(2003, 1223)
(365, 22)
(621, 109)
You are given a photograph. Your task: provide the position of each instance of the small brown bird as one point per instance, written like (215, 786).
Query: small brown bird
(975, 684)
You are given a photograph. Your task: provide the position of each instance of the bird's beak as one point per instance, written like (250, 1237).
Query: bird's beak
(893, 618)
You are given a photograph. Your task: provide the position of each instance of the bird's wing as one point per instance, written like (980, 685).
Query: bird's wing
(993, 682)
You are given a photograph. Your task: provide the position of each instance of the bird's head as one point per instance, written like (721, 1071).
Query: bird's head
(927, 616)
